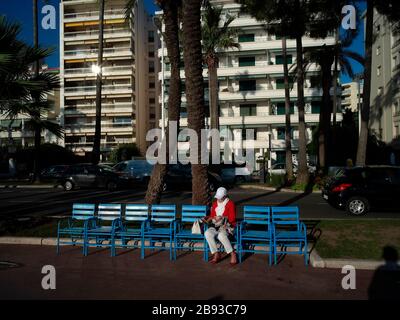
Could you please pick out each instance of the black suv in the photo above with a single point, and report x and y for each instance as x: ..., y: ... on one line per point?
x: 89, y: 176
x: 360, y: 188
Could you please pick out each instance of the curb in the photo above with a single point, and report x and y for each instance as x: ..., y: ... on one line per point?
x: 317, y: 262
x: 28, y: 186
x: 250, y: 186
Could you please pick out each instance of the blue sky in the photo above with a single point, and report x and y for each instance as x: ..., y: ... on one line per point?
x: 21, y: 11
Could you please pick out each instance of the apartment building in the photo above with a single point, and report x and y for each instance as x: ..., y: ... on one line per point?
x: 129, y: 70
x: 351, y: 95
x: 385, y: 80
x: 251, y: 88
x: 20, y: 133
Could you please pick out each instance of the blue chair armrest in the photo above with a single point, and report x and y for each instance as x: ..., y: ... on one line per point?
x: 117, y: 223
x: 91, y: 223
x: 303, y: 228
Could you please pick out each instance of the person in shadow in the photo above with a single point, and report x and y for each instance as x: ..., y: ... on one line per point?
x: 385, y: 284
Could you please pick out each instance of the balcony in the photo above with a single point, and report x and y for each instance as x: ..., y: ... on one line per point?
x: 94, y: 15
x: 94, y: 34
x: 106, y: 108
x: 91, y: 90
x: 105, y: 127
x: 93, y: 53
x: 87, y: 72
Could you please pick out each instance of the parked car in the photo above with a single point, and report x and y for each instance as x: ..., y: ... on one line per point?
x: 53, y: 174
x: 180, y: 177
x: 280, y: 168
x: 359, y: 189
x: 232, y: 173
x: 134, y: 171
x: 89, y: 176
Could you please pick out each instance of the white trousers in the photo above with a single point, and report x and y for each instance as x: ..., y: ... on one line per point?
x: 211, y: 234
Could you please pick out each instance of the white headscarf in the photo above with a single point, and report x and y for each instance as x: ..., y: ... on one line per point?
x: 219, y: 210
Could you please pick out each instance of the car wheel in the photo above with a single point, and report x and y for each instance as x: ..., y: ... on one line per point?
x: 68, y: 185
x: 112, y: 186
x: 357, y: 206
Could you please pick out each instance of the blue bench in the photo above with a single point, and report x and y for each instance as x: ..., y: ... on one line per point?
x: 190, y: 214
x: 76, y: 225
x: 161, y: 227
x: 249, y: 238
x: 289, y: 232
x: 134, y: 213
x: 98, y: 230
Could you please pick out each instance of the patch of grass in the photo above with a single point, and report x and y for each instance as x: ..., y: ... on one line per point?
x: 358, y: 239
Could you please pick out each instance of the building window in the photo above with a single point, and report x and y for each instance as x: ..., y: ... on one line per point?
x: 378, y: 70
x: 279, y: 59
x: 378, y: 50
x: 247, y: 85
x: 380, y: 91
x: 247, y: 61
x: 152, y: 116
x: 280, y: 108
x: 280, y: 83
x: 248, y: 110
x: 151, y: 36
x: 251, y: 137
x: 152, y: 85
x: 315, y: 107
x: 151, y: 54
x: 151, y: 66
x: 152, y: 100
x: 378, y: 28
x: 249, y: 37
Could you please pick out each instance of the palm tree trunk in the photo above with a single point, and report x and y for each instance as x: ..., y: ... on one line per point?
x: 170, y: 14
x: 288, y: 128
x: 325, y: 111
x: 365, y: 110
x: 97, y: 133
x: 302, y: 175
x: 36, y: 163
x: 213, y: 91
x: 192, y: 55
x: 335, y: 78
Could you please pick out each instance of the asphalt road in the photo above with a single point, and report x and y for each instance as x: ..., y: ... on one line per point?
x: 53, y: 202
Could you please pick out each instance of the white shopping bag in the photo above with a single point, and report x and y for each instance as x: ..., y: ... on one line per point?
x: 196, y: 227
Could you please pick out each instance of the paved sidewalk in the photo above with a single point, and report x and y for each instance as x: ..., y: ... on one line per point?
x: 126, y: 276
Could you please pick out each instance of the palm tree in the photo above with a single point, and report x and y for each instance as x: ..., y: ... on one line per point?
x: 18, y: 86
x: 171, y: 12
x: 97, y: 132
x: 192, y: 55
x: 215, y: 39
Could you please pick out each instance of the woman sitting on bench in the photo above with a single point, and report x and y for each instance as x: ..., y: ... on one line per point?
x: 222, y: 222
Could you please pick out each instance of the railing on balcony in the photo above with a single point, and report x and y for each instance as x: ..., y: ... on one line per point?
x: 94, y: 14
x: 104, y: 69
x: 93, y: 88
x: 75, y: 34
x: 103, y: 125
x: 69, y: 53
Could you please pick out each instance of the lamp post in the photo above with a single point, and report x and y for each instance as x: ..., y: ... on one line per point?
x: 162, y: 88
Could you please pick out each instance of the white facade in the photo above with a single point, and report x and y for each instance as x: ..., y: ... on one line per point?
x: 385, y: 80
x: 251, y: 92
x: 129, y: 89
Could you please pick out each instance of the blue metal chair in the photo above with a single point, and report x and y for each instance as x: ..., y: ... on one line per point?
x: 100, y: 229
x: 161, y: 227
x: 184, y: 238
x: 289, y: 232
x: 75, y: 226
x: 255, y: 230
x: 132, y: 226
